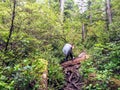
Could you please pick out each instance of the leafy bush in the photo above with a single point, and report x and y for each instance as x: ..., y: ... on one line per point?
x: 25, y: 75
x: 55, y: 74
x: 103, y: 66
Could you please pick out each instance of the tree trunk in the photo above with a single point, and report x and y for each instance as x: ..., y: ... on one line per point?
x: 12, y: 25
x: 62, y: 9
x: 109, y: 11
x: 108, y: 14
x: 83, y: 32
x: 90, y: 13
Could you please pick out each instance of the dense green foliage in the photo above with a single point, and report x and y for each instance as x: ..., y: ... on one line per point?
x: 104, y: 63
x: 39, y: 35
x: 34, y: 37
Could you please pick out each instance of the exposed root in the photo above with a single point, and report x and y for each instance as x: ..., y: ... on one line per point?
x: 74, y: 80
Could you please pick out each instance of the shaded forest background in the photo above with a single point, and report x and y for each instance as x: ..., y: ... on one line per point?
x: 33, y: 32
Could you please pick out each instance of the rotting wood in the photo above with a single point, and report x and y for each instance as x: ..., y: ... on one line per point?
x: 74, y: 80
x: 75, y: 61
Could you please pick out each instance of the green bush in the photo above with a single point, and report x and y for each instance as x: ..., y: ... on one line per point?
x: 55, y: 75
x: 104, y: 64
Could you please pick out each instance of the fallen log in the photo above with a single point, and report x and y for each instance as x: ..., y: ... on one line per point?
x: 75, y: 61
x: 71, y: 69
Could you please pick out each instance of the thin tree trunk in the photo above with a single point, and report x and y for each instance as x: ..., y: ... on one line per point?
x: 83, y: 32
x: 90, y: 18
x: 62, y: 9
x: 90, y: 13
x: 12, y: 25
x: 108, y: 14
x: 107, y: 23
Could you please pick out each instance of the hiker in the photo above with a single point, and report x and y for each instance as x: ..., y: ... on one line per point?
x: 67, y: 50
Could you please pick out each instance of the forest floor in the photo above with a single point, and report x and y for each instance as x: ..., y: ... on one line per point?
x: 74, y: 80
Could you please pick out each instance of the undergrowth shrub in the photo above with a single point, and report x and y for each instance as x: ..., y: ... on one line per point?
x: 99, y: 70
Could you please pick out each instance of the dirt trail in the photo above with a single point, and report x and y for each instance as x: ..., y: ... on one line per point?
x: 73, y: 78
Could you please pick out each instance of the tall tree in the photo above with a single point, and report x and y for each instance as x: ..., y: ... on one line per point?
x: 83, y: 32
x: 12, y: 25
x: 115, y: 26
x: 90, y: 12
x: 62, y: 9
x: 108, y: 14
